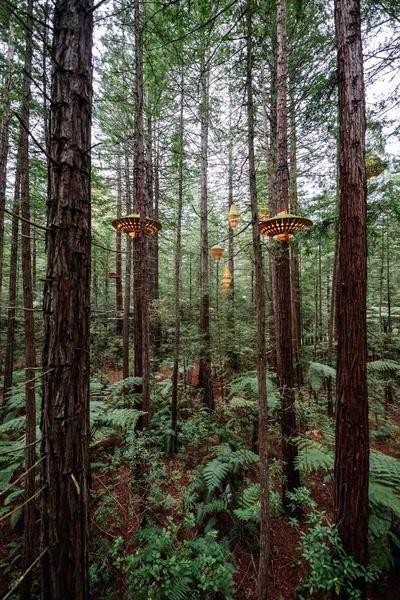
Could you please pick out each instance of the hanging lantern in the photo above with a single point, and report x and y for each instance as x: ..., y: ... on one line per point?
x: 375, y: 166
x: 264, y: 213
x: 283, y: 226
x: 216, y: 252
x: 226, y: 279
x: 112, y: 275
x: 233, y: 217
x: 131, y: 225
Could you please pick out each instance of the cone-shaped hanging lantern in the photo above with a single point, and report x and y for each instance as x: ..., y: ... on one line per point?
x: 283, y: 226
x: 233, y: 217
x: 226, y: 279
x: 131, y: 225
x: 216, y: 252
x: 264, y: 213
x: 375, y: 166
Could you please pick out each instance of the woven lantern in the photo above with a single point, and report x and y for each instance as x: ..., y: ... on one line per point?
x: 375, y: 166
x: 264, y: 213
x: 131, y: 225
x: 283, y: 226
x: 216, y: 252
x: 226, y: 279
x: 233, y: 217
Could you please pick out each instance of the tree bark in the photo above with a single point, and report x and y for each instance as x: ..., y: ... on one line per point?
x: 66, y: 352
x: 12, y: 291
x: 118, y: 246
x: 178, y: 261
x: 282, y: 291
x: 141, y: 253
x: 260, y: 312
x: 352, y: 435
x: 30, y: 350
x: 128, y: 275
x: 205, y: 380
x: 4, y: 144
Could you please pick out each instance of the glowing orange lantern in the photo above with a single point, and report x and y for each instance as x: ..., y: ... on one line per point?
x: 233, y: 217
x: 226, y: 279
x: 283, y: 226
x: 216, y: 252
x: 131, y: 225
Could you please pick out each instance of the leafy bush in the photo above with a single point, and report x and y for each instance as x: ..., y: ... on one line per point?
x: 167, y: 568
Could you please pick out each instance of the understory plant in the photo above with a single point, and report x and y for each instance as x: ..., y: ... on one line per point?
x: 168, y: 566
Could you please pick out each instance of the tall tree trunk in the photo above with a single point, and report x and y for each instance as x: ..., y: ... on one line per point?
x: 141, y: 254
x: 118, y: 248
x: 352, y: 434
x: 205, y: 380
x: 30, y: 350
x: 66, y: 352
x: 4, y: 143
x: 178, y: 260
x: 260, y: 312
x: 128, y: 275
x: 12, y: 291
x: 282, y: 293
x: 294, y: 258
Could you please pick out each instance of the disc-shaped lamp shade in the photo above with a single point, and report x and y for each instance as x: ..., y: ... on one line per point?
x: 375, y: 166
x: 226, y: 279
x: 264, y: 213
x: 283, y: 226
x: 233, y: 217
x: 131, y: 225
x: 216, y: 252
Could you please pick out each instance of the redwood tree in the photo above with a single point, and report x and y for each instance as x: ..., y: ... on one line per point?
x: 352, y: 436
x: 65, y: 408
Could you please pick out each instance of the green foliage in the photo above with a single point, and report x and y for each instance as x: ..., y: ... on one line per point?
x: 168, y: 568
x: 318, y: 373
x: 383, y: 366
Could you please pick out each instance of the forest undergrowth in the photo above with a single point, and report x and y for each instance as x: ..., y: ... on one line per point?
x: 179, y: 526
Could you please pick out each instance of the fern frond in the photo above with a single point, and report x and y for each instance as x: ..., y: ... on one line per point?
x: 381, y: 366
x: 318, y: 372
x: 314, y: 456
x: 385, y: 469
x: 179, y: 589
x: 215, y: 472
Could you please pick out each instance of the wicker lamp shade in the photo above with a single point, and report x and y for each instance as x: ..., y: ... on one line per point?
x: 131, y: 225
x: 375, y: 166
x: 233, y: 217
x: 283, y: 226
x: 226, y: 279
x: 216, y: 252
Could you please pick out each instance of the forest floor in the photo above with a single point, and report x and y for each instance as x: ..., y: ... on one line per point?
x: 123, y: 514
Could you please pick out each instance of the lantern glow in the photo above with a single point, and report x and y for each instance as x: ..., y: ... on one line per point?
x: 283, y: 226
x: 374, y: 166
x: 131, y: 225
x: 233, y: 217
x: 226, y: 279
x: 216, y: 253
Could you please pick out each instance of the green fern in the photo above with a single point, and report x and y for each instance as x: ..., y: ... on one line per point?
x: 179, y: 589
x: 318, y: 373
x: 314, y: 456
x: 383, y: 366
x: 215, y: 472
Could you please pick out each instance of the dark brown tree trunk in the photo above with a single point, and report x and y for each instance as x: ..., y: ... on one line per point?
x: 128, y: 275
x: 30, y: 351
x: 352, y: 435
x: 282, y: 293
x: 66, y: 352
x: 12, y: 291
x: 260, y: 312
x: 118, y: 247
x: 205, y: 380
x: 294, y: 259
x: 141, y: 254
x: 4, y: 143
x: 178, y: 260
